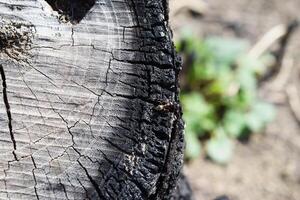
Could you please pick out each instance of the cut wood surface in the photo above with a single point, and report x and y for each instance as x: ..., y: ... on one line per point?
x: 88, y: 100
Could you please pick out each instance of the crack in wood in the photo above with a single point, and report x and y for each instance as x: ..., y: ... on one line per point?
x: 7, y: 107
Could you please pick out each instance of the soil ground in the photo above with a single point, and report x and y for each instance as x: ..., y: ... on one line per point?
x: 268, y: 167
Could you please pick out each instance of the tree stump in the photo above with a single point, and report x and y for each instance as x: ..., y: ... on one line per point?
x: 89, y: 100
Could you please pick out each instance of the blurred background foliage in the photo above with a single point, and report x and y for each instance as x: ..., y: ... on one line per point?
x: 240, y: 96
x: 219, y: 95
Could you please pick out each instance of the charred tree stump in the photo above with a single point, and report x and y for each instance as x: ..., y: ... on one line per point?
x: 89, y: 100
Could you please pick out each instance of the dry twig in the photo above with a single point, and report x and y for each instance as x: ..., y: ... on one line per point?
x: 294, y: 102
x: 196, y: 6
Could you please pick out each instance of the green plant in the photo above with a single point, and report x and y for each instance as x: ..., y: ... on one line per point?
x: 219, y: 96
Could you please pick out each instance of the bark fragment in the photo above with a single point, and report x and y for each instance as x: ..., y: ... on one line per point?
x: 15, y: 39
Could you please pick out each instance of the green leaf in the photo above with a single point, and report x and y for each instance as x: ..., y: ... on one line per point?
x: 257, y: 65
x: 221, y: 83
x: 193, y: 145
x: 195, y: 103
x: 259, y: 116
x: 265, y: 111
x: 223, y: 102
x: 254, y: 124
x: 193, y: 124
x: 226, y: 50
x: 200, y: 72
x: 247, y: 79
x: 234, y: 123
x: 220, y: 148
x: 198, y: 115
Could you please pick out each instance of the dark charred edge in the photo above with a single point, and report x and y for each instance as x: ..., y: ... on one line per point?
x: 7, y: 107
x: 173, y: 161
x: 166, y: 9
x: 167, y: 182
x: 183, y: 190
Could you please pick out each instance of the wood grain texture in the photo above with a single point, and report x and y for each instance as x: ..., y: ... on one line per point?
x: 88, y: 110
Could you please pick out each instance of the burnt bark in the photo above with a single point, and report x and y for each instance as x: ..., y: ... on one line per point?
x: 90, y: 106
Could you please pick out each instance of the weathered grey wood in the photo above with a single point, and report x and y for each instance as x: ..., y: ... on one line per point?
x: 89, y: 106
